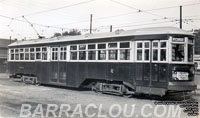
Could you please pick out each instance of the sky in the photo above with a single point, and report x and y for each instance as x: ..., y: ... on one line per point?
x: 50, y: 16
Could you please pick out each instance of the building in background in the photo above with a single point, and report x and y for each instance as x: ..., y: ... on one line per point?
x: 3, y: 55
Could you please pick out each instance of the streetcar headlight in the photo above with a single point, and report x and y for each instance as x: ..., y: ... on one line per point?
x: 174, y: 75
x: 192, y: 70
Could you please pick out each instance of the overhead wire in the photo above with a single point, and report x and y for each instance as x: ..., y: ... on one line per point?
x: 48, y: 26
x: 107, y: 16
x: 37, y: 7
x: 139, y: 10
x: 138, y: 24
x: 67, y: 6
x: 129, y: 13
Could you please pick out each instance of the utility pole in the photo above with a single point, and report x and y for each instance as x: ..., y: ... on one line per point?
x: 90, y: 23
x: 110, y: 28
x: 10, y: 39
x: 180, y: 17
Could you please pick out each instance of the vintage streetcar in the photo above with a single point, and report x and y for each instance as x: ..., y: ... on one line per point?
x: 153, y: 61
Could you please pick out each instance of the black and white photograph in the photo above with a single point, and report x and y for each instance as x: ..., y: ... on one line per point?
x: 99, y: 58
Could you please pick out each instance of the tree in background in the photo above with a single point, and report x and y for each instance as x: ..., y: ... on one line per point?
x: 197, y: 41
x: 56, y: 34
x: 72, y: 32
x: 66, y: 33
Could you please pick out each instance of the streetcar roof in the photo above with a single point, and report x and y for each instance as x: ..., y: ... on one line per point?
x: 119, y: 33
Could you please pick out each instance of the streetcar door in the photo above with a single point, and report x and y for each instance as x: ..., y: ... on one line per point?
x: 54, y: 65
x: 58, y: 65
x: 158, y: 64
x: 147, y: 63
x: 143, y: 64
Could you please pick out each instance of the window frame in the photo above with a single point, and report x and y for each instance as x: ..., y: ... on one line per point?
x: 70, y: 51
x: 187, y: 46
x: 130, y: 51
x: 136, y: 51
x: 57, y: 51
x: 95, y: 50
x: 38, y: 52
x: 113, y: 49
x: 21, y: 53
x: 32, y: 53
x: 63, y: 51
x: 148, y: 48
x: 158, y: 51
x: 143, y: 48
x: 17, y: 53
x: 185, y: 50
x: 82, y: 50
x: 26, y: 53
x: 159, y: 48
x: 11, y: 53
x: 167, y: 50
x: 47, y: 54
x: 105, y: 49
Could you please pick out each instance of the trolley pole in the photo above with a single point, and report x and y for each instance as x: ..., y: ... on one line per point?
x: 180, y: 17
x: 90, y: 23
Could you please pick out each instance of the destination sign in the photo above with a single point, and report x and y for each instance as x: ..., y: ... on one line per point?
x: 178, y: 40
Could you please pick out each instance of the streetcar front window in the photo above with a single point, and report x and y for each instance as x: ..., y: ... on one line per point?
x: 182, y: 49
x: 178, y: 52
x: 190, y: 53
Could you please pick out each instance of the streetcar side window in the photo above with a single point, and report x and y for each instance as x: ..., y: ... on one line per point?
x: 32, y: 53
x: 112, y: 52
x: 27, y: 54
x: 38, y: 53
x: 17, y: 54
x: 139, y: 51
x: 21, y: 51
x: 124, y: 51
x: 82, y: 52
x: 101, y: 51
x: 73, y: 52
x: 12, y: 54
x: 146, y: 51
x: 44, y: 53
x: 163, y: 51
x: 63, y: 53
x: 155, y: 51
x: 91, y: 52
x: 54, y: 53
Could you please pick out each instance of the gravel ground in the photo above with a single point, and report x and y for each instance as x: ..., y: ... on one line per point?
x: 13, y: 94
